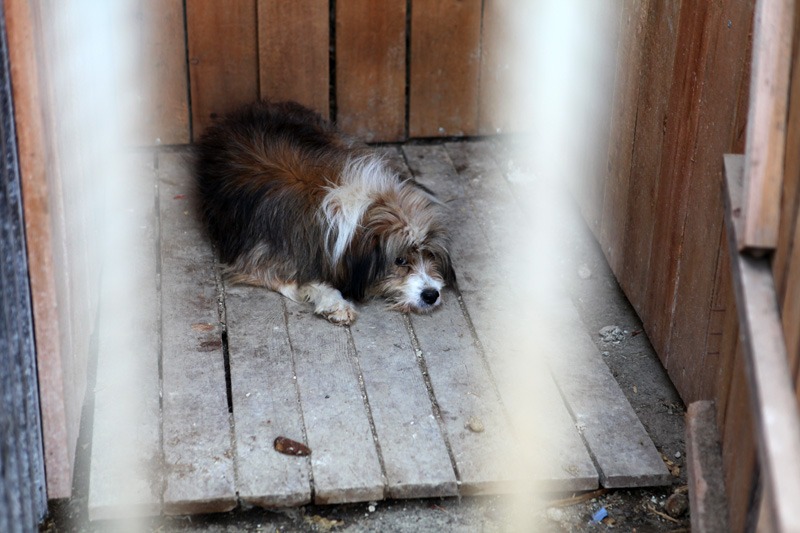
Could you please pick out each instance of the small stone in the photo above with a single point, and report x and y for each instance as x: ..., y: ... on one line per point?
x: 371, y: 508
x: 676, y: 505
x: 475, y: 425
x: 677, y: 455
x: 613, y: 334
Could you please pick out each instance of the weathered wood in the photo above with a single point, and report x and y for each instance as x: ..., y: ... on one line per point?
x: 443, y: 86
x: 29, y: 89
x: 772, y: 396
x: 344, y: 460
x: 704, y: 469
x: 293, y: 68
x: 623, y: 452
x: 223, y: 58
x: 624, y: 117
x: 414, y: 452
x: 695, y: 281
x: 464, y: 390
x: 371, y: 69
x: 265, y: 400
x: 649, y: 137
x: 766, y: 124
x: 23, y: 499
x: 738, y: 448
x: 124, y: 474
x: 197, y: 446
x: 431, y: 165
x: 163, y: 55
x: 788, y: 238
x: 569, y: 467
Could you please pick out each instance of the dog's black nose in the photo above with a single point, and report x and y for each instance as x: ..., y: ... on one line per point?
x: 429, y: 296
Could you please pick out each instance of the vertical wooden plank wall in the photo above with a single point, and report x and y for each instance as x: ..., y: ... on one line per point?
x: 290, y: 68
x: 445, y: 67
x: 661, y: 228
x: 383, y: 71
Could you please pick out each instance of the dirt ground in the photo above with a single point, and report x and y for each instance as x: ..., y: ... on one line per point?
x: 631, y: 359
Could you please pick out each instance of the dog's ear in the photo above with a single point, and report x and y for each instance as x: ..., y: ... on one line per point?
x: 363, y: 267
x: 449, y: 272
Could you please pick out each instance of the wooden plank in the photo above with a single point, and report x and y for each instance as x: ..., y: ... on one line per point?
x: 659, y: 56
x: 621, y: 449
x: 682, y: 122
x: 345, y: 463
x: 28, y: 80
x: 371, y: 69
x: 624, y: 114
x: 706, y: 477
x: 265, y: 400
x: 766, y: 124
x: 495, y: 113
x: 772, y: 396
x: 691, y: 275
x: 464, y: 390
x: 790, y: 199
x: 292, y: 68
x: 567, y: 465
x: 223, y: 62
x: 126, y: 433
x: 443, y: 86
x: 198, y: 451
x: 162, y: 43
x: 401, y: 409
x: 431, y: 165
x: 739, y: 449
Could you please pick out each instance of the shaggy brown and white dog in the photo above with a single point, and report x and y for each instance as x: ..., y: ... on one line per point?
x: 293, y: 205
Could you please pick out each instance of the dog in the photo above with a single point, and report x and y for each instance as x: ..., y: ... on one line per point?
x: 294, y: 205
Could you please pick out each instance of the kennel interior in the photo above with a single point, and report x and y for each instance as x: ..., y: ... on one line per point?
x: 679, y: 97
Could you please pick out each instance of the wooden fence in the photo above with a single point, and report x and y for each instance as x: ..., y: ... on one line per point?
x: 660, y: 221
x: 385, y: 71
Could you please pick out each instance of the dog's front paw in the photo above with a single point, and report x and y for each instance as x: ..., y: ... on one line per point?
x: 342, y: 314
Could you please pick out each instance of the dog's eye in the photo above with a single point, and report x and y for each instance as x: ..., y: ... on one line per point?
x: 400, y: 261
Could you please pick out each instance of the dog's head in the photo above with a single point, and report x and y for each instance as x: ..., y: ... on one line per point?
x: 401, y: 250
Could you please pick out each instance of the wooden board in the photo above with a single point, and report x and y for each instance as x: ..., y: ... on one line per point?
x: 344, y: 460
x: 619, y: 445
x: 771, y: 390
x: 162, y: 47
x: 624, y: 115
x: 479, y: 187
x: 289, y: 67
x: 371, y: 69
x: 265, y: 400
x: 464, y: 390
x: 124, y: 475
x: 198, y: 450
x: 766, y: 124
x: 790, y: 199
x: 415, y: 454
x: 443, y: 85
x: 29, y: 89
x: 657, y: 66
x: 223, y: 58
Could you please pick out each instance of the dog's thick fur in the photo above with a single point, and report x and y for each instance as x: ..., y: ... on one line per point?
x: 293, y: 205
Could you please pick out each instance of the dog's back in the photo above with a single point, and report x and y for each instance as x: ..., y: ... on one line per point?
x: 261, y: 173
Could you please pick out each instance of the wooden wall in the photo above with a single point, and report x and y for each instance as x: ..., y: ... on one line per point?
x: 385, y: 71
x: 660, y: 221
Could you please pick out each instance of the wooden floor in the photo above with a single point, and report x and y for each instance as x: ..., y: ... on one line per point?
x: 395, y: 406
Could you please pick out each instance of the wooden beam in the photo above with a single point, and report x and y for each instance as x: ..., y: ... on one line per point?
x: 772, y: 396
x: 766, y: 124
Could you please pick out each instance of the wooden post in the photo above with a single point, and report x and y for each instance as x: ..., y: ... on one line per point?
x: 772, y: 396
x: 766, y: 125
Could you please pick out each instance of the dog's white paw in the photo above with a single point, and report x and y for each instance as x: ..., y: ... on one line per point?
x: 342, y: 314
